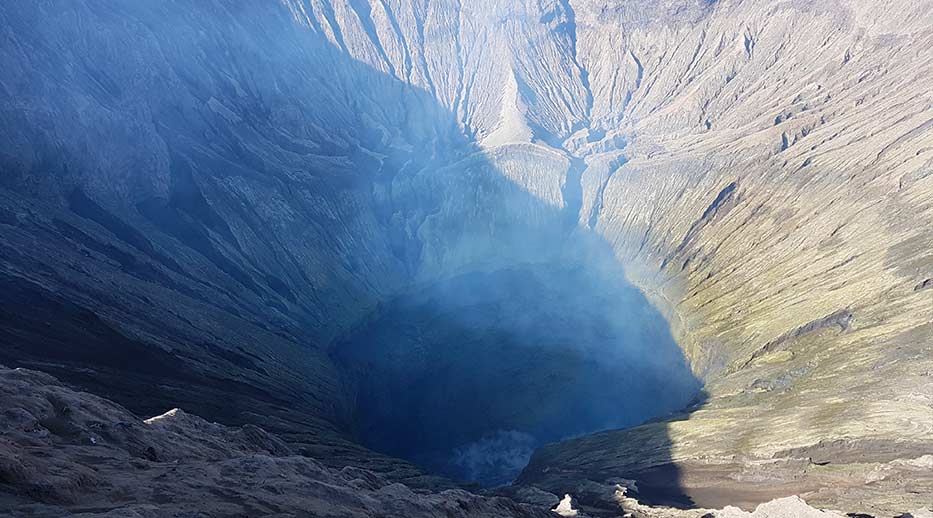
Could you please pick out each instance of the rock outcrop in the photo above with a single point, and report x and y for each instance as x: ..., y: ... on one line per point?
x: 69, y: 453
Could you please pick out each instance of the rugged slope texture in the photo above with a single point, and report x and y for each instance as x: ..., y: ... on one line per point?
x: 789, y: 228
x: 67, y: 453
x: 221, y: 190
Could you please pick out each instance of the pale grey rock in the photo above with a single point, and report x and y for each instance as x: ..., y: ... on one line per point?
x: 790, y: 506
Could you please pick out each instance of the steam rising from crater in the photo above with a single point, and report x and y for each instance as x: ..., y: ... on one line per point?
x: 467, y: 376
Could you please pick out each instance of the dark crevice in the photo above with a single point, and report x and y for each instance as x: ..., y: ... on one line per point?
x: 720, y: 199
x: 722, y: 204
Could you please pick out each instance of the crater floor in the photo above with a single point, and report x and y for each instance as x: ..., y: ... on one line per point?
x: 467, y: 376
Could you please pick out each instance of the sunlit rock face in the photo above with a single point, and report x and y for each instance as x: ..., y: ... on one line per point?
x: 201, y: 202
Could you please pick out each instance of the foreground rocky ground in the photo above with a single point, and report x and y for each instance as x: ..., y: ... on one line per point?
x: 64, y: 452
x: 69, y: 453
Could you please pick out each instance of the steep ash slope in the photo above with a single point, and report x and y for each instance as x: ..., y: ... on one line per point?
x: 222, y: 190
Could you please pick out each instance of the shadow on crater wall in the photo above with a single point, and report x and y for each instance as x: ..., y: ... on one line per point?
x: 303, y: 188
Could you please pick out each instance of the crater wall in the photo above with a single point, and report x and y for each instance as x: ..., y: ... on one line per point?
x: 225, y: 190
